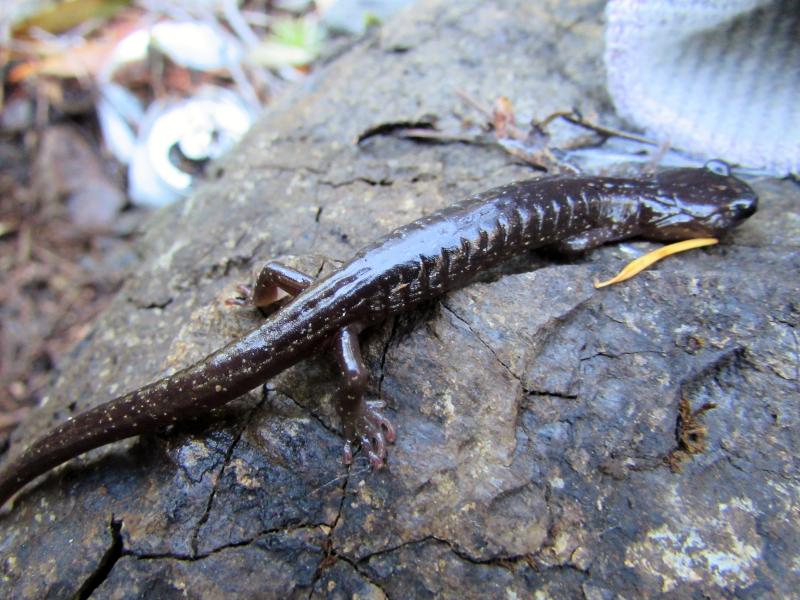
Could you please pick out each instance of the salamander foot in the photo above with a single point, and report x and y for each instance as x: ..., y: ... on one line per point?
x: 243, y: 297
x: 273, y: 283
x: 367, y: 427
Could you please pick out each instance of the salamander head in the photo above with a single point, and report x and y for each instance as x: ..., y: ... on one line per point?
x: 692, y: 203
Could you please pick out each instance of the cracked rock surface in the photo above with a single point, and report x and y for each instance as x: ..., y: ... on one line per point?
x: 639, y: 440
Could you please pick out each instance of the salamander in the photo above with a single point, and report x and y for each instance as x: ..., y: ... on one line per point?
x: 412, y: 264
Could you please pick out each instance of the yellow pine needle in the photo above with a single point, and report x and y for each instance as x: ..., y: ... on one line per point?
x: 640, y: 264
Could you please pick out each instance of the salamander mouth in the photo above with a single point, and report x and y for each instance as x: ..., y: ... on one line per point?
x: 706, y: 221
x: 734, y: 213
x: 727, y: 215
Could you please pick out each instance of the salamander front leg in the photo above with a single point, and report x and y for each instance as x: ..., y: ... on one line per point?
x: 273, y: 283
x: 362, y: 422
x: 583, y: 242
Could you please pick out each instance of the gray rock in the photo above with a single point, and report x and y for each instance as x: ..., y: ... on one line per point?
x: 543, y: 426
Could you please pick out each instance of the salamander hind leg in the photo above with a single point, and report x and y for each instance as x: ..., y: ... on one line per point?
x: 363, y: 424
x: 273, y: 283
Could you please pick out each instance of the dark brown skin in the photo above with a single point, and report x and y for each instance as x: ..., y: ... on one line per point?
x: 410, y: 265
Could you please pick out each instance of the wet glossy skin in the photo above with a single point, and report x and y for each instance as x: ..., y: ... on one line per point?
x: 412, y: 264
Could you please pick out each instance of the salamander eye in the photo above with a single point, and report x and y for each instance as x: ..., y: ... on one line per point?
x: 720, y: 167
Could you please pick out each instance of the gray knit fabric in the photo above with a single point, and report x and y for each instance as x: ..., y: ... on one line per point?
x: 716, y: 78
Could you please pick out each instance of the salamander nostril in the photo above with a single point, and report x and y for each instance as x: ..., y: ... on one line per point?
x: 745, y: 207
